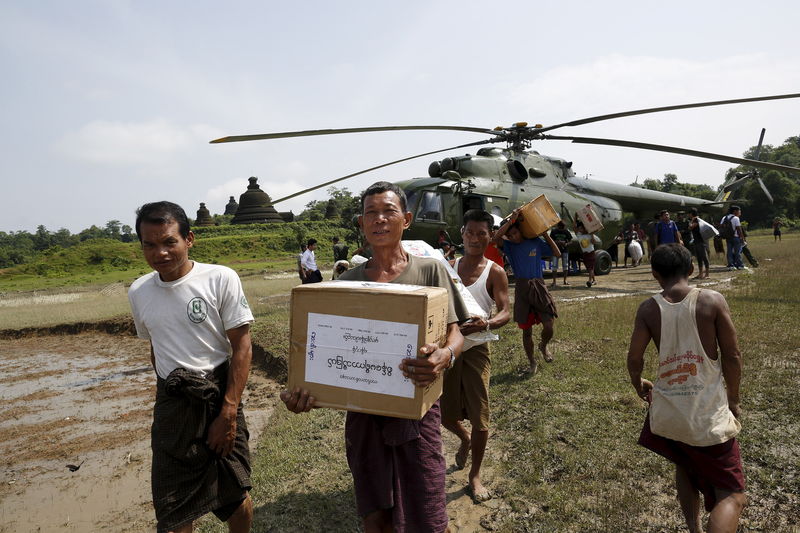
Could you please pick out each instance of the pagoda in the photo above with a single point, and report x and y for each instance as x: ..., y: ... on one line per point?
x: 232, y: 206
x: 255, y: 206
x: 203, y: 216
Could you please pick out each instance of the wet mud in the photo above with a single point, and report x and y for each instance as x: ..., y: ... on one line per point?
x: 84, y: 400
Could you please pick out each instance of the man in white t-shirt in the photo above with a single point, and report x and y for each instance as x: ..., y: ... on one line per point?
x: 197, y: 320
x: 308, y: 262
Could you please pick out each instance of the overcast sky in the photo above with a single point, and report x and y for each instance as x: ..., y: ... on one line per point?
x: 110, y: 104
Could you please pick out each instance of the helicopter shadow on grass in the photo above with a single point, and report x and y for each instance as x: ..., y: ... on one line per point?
x: 332, y: 511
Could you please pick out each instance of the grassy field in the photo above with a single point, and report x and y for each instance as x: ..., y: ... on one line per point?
x: 562, y: 454
x: 562, y: 451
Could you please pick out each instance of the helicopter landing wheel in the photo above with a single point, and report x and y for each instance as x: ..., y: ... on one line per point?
x: 602, y: 262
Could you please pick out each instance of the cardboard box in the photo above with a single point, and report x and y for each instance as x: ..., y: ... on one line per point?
x: 348, y: 338
x: 590, y: 219
x: 538, y: 216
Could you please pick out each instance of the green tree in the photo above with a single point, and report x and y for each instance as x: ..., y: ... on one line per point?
x: 669, y: 183
x: 341, y: 201
x: 113, y: 230
x: 92, y: 232
x: 64, y: 238
x: 127, y: 233
x: 784, y: 187
x: 41, y: 239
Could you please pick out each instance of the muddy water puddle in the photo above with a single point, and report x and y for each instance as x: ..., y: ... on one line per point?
x: 83, y: 400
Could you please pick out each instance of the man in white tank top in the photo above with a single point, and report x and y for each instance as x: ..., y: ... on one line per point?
x: 466, y: 384
x: 694, y: 404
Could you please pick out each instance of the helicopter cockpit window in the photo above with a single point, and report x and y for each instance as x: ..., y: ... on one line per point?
x: 430, y: 206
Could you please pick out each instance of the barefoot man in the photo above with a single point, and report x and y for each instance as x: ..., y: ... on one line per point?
x: 694, y: 404
x: 397, y: 464
x: 532, y: 302
x: 466, y: 385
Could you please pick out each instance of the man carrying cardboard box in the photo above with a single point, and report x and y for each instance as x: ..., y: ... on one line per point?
x: 532, y: 302
x: 466, y: 385
x: 397, y: 464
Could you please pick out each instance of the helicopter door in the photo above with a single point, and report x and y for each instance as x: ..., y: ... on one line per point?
x: 472, y: 202
x: 430, y: 207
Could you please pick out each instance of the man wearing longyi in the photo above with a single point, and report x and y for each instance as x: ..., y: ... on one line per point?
x: 397, y: 464
x: 532, y: 301
x: 197, y: 320
x: 694, y: 410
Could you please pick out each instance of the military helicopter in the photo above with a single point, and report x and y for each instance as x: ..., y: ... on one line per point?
x: 499, y: 179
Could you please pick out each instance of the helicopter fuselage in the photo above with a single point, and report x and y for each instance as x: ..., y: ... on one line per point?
x: 500, y: 180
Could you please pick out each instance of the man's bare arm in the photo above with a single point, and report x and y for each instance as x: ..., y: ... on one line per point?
x: 640, y: 338
x: 424, y: 370
x: 497, y: 237
x: 222, y: 432
x: 499, y: 282
x: 553, y: 245
x: 152, y: 356
x: 731, y: 358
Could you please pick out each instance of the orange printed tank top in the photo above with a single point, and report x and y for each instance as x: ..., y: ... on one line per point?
x: 690, y: 402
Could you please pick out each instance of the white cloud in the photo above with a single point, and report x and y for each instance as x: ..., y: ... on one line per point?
x: 125, y: 143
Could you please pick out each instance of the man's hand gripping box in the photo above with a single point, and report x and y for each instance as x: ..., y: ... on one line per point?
x: 348, y: 338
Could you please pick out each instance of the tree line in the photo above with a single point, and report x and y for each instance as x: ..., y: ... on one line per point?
x: 758, y: 211
x: 21, y: 247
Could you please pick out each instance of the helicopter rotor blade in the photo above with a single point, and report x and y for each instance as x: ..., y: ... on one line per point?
x: 309, y: 133
x: 675, y: 150
x: 330, y: 182
x: 764, y: 188
x: 760, y: 142
x: 610, y: 116
x: 737, y: 183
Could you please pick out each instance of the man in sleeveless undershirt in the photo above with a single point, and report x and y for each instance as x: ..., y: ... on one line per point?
x: 694, y: 411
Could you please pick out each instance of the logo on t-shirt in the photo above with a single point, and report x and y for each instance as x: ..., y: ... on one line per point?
x: 197, y: 309
x: 243, y: 302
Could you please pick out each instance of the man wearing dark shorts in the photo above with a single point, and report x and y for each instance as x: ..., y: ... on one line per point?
x: 532, y: 302
x: 694, y: 410
x: 397, y: 464
x: 197, y: 320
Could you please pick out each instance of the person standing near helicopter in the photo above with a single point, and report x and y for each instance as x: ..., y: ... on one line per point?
x: 533, y: 304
